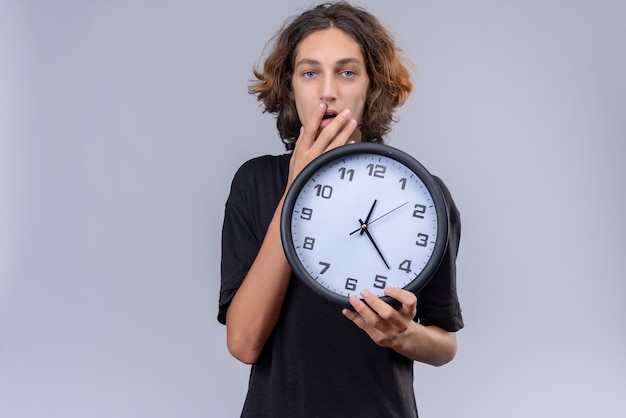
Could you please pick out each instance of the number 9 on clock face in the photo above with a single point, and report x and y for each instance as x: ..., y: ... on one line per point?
x: 364, y: 216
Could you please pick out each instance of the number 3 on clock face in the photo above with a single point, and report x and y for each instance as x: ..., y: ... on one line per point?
x: 364, y: 216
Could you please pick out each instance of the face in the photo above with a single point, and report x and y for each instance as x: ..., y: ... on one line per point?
x: 329, y: 68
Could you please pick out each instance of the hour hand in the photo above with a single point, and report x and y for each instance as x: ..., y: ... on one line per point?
x: 369, y: 215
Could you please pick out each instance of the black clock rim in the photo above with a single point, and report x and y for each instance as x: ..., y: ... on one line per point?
x: 410, y: 162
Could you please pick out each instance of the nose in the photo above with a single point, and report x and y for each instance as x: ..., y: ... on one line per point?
x: 328, y: 89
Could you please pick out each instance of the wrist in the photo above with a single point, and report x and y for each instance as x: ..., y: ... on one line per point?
x: 406, y: 342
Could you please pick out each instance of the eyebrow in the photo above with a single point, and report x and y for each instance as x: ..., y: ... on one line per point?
x: 344, y: 61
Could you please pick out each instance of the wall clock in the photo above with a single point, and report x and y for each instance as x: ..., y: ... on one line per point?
x: 364, y: 215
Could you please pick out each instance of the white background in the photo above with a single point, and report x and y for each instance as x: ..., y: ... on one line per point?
x: 123, y: 121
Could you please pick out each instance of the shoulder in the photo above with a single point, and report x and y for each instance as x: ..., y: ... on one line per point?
x: 263, y: 164
x: 260, y: 182
x: 260, y: 171
x: 264, y: 169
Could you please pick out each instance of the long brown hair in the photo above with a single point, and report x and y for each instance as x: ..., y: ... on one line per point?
x: 390, y: 81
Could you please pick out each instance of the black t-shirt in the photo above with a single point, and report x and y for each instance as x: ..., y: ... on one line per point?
x: 317, y: 363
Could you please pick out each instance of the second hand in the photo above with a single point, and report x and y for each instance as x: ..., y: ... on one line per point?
x: 381, y: 216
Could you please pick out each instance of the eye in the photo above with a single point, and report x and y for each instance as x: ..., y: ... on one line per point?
x: 348, y: 73
x: 308, y: 74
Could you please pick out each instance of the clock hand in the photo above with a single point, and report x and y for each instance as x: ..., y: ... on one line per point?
x: 368, y: 217
x: 381, y: 216
x: 364, y: 229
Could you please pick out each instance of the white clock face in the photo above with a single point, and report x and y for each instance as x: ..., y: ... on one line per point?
x: 363, y: 221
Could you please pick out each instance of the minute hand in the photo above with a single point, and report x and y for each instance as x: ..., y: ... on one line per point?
x: 364, y: 229
x: 381, y: 216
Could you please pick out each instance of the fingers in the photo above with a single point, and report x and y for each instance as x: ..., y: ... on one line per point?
x: 379, y: 320
x: 373, y: 312
x: 374, y: 309
x: 406, y: 298
x: 314, y: 141
x: 310, y: 128
x: 337, y: 132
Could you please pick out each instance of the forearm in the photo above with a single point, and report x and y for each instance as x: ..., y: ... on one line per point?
x: 427, y: 344
x: 256, y: 306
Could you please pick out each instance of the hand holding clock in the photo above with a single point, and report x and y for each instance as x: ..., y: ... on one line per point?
x: 385, y: 325
x: 397, y: 330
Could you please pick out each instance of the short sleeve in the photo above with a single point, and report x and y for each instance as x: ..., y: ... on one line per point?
x: 438, y: 302
x: 239, y: 244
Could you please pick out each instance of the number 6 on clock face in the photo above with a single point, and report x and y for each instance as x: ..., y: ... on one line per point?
x: 364, y: 216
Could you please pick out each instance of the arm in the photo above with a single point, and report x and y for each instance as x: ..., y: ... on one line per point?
x: 396, y: 329
x: 255, y: 308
